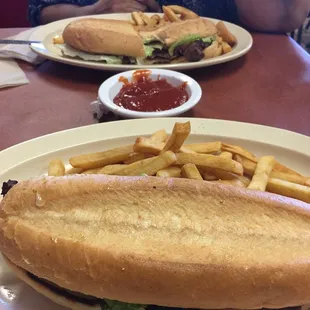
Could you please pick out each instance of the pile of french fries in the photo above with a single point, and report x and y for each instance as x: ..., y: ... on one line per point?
x: 168, y: 156
x: 174, y: 13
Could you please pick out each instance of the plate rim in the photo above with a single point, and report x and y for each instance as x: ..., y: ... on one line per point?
x: 41, y: 50
x: 42, y: 145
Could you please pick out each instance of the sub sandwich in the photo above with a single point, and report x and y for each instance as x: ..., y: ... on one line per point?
x: 119, y: 41
x: 110, y: 242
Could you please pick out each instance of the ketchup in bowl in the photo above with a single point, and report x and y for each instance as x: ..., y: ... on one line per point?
x: 146, y: 95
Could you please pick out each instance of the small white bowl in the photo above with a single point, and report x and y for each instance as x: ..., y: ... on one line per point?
x: 111, y: 87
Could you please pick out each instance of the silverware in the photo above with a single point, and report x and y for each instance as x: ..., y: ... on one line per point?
x: 17, y: 42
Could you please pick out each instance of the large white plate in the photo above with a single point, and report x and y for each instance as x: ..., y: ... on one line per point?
x: 50, y: 51
x: 31, y: 158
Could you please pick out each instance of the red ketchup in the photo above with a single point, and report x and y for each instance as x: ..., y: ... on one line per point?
x: 145, y: 95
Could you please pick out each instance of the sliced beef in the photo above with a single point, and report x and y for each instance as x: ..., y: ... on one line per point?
x: 163, y: 54
x: 6, y: 186
x: 193, y: 51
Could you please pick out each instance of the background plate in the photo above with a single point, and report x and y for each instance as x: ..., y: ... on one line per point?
x: 48, y: 50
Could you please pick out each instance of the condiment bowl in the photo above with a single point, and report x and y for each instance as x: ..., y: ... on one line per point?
x: 112, y: 86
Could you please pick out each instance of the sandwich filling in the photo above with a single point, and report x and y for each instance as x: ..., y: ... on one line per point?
x: 191, y: 47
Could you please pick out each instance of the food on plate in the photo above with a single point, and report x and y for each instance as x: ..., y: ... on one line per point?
x: 145, y: 94
x: 159, y: 221
x: 111, y: 242
x: 179, y: 36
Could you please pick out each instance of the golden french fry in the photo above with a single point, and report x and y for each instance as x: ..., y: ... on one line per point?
x: 158, y: 163
x: 156, y: 19
x: 133, y: 157
x: 249, y: 169
x: 58, y: 39
x: 159, y: 136
x: 98, y: 160
x: 179, y: 134
x: 214, y: 50
x: 91, y: 171
x: 74, y: 171
x: 238, y: 150
x: 171, y: 16
x: 205, y: 148
x: 146, y: 20
x: 184, y: 12
x: 111, y: 169
x: 262, y: 173
x: 170, y: 172
x: 281, y: 168
x: 146, y: 145
x: 235, y: 182
x: 138, y: 165
x: 208, y: 177
x: 137, y: 18
x: 226, y: 47
x: 289, y: 189
x: 56, y: 168
x: 226, y: 155
x: 190, y: 171
x: 210, y: 161
x: 184, y: 149
x: 226, y: 34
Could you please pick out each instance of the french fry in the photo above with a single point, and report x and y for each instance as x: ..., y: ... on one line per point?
x: 137, y: 18
x: 98, y: 160
x: 190, y: 171
x: 146, y: 20
x: 214, y: 50
x: 74, y: 171
x: 235, y: 182
x: 170, y: 172
x: 205, y: 148
x: 238, y: 150
x: 208, y: 176
x: 281, y: 168
x: 289, y: 189
x: 210, y: 161
x: 226, y: 155
x: 91, y: 171
x: 111, y: 169
x: 159, y: 136
x: 158, y: 163
x: 179, y: 134
x: 184, y: 12
x: 156, y: 19
x: 133, y: 157
x: 184, y: 149
x: 128, y: 169
x: 262, y: 173
x: 171, y: 16
x: 56, y: 168
x: 226, y: 47
x: 226, y: 34
x: 249, y: 169
x: 146, y: 145
x: 58, y: 39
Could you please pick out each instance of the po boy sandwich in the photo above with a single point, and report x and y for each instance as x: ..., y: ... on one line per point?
x: 110, y: 242
x: 116, y: 41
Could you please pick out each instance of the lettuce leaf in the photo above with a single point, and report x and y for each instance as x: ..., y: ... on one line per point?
x: 149, y: 48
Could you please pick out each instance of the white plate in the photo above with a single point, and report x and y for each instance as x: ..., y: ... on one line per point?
x: 31, y: 159
x: 50, y: 51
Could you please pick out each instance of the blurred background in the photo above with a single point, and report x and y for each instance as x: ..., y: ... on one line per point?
x: 13, y: 13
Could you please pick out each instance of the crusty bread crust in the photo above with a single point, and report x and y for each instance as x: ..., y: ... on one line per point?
x: 104, y: 36
x: 44, y: 290
x: 172, y: 32
x: 171, y: 242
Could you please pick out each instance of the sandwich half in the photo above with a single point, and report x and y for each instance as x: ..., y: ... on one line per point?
x: 108, y: 242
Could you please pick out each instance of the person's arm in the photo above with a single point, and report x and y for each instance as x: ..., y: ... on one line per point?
x: 273, y: 15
